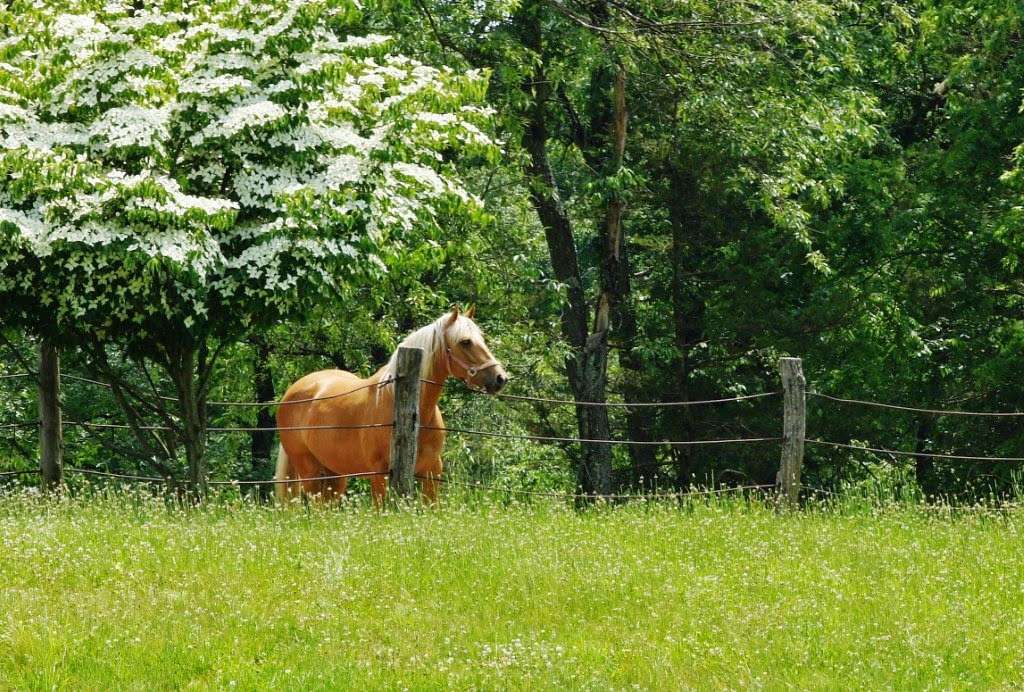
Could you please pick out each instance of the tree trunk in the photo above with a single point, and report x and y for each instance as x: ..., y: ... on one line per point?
x: 687, y: 314
x: 51, y: 439
x: 639, y: 423
x: 615, y: 280
x: 924, y: 467
x: 587, y: 366
x: 594, y: 473
x: 262, y: 441
x: 192, y: 409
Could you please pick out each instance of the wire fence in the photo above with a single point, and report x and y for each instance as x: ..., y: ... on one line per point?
x: 19, y: 472
x: 745, y: 490
x: 234, y: 482
x: 24, y: 424
x: 567, y: 402
x: 693, y: 494
x: 565, y: 495
x: 456, y: 430
x: 515, y: 436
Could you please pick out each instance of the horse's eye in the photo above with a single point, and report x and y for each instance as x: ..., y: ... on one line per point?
x: 466, y: 343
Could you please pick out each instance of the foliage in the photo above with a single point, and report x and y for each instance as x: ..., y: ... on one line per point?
x: 213, y: 164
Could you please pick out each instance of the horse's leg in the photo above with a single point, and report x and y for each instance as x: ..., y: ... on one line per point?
x: 429, y: 473
x: 335, y: 488
x: 378, y: 489
x: 306, y: 466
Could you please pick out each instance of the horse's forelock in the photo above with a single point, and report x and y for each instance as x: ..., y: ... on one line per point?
x: 463, y: 328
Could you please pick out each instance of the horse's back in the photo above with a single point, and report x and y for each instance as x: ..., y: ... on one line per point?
x: 305, y: 396
x: 303, y: 387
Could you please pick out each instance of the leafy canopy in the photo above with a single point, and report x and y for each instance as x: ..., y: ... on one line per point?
x: 158, y: 165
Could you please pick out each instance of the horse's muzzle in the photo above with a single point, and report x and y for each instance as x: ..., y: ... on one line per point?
x: 496, y: 381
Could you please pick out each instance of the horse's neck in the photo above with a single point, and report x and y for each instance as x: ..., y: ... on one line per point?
x: 430, y: 393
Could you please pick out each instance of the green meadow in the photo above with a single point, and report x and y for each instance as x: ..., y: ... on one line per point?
x: 123, y: 591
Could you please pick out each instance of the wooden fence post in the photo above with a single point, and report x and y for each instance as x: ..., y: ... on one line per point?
x: 404, y: 436
x: 794, y: 428
x: 51, y: 437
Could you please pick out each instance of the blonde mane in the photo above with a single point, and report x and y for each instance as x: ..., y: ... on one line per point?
x: 431, y: 339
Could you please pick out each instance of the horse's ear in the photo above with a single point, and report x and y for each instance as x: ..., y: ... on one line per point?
x: 452, y: 316
x: 471, y: 311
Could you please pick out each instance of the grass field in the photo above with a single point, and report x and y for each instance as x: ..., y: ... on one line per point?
x: 123, y: 593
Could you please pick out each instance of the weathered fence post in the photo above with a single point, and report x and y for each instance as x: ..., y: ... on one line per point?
x: 405, y: 434
x: 51, y: 437
x: 794, y: 428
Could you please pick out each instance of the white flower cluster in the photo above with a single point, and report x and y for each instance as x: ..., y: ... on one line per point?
x: 130, y: 126
x: 240, y: 166
x: 253, y: 114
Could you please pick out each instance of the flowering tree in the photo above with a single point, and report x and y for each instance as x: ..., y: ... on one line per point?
x: 174, y: 176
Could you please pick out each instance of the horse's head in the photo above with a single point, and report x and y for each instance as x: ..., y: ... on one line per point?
x: 467, y: 354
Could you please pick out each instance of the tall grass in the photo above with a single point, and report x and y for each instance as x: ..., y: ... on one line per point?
x: 124, y: 590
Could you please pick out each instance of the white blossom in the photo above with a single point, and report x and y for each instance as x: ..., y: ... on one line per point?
x: 30, y: 228
x: 211, y: 84
x: 164, y: 136
x: 248, y: 115
x: 83, y: 29
x: 427, y: 178
x: 130, y: 126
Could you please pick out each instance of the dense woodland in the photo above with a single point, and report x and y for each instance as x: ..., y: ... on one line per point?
x: 671, y: 196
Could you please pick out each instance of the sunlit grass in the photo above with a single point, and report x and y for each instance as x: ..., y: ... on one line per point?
x: 126, y: 592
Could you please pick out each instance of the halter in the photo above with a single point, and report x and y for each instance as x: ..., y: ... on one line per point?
x: 471, y: 370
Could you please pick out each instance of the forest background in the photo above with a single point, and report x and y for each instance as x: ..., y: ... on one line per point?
x: 673, y: 195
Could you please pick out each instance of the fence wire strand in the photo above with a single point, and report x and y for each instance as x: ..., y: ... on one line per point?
x: 220, y: 429
x: 952, y: 509
x: 593, y: 496
x: 25, y: 424
x: 269, y: 481
x: 897, y: 452
x: 426, y: 477
x: 121, y: 476
x: 276, y: 481
x: 19, y: 472
x: 612, y: 404
x: 937, y: 412
x: 551, y: 438
x: 550, y: 400
x: 256, y: 404
x: 634, y: 404
x: 515, y: 397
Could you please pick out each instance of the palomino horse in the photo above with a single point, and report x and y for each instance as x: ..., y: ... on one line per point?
x: 453, y: 346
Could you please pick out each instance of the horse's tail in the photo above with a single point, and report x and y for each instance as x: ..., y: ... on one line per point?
x: 282, y: 490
